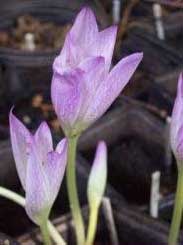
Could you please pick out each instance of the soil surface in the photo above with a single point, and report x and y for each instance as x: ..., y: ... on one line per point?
x: 28, y: 29
x: 131, y: 163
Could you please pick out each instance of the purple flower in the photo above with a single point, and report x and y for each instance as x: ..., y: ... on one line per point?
x: 176, y: 130
x: 40, y: 169
x: 83, y: 86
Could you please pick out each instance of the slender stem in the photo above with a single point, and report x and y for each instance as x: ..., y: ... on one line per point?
x: 55, y: 234
x: 12, y: 196
x: 73, y: 193
x: 177, y: 213
x: 45, y: 233
x: 92, y: 225
x: 21, y: 201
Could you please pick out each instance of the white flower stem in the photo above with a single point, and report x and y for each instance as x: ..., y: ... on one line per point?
x: 21, y: 201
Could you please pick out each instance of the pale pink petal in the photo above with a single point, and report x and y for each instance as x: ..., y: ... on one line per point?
x: 104, y: 45
x: 67, y: 92
x: 112, y: 86
x: 38, y: 192
x: 84, y: 30
x: 73, y: 92
x: 94, y: 73
x: 21, y: 140
x: 177, y: 117
x: 43, y: 141
x: 178, y: 147
x: 55, y: 168
x: 60, y: 148
x: 70, y: 56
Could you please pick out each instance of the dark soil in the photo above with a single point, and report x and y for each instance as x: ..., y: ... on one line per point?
x: 131, y: 163
x: 176, y: 41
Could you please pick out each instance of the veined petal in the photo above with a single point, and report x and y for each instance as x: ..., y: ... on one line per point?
x: 178, y: 151
x: 55, y: 168
x: 67, y: 93
x: 94, y: 74
x: 177, y: 117
x: 38, y: 192
x: 70, y: 56
x: 104, y: 45
x: 21, y: 140
x: 112, y: 86
x: 85, y: 29
x: 60, y: 148
x: 98, y: 176
x: 43, y: 141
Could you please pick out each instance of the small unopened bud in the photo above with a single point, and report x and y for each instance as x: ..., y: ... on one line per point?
x: 98, y: 177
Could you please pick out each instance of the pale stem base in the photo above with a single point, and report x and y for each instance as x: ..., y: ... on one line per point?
x: 92, y: 225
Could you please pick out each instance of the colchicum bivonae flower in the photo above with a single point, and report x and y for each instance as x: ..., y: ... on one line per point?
x: 40, y: 168
x: 83, y: 84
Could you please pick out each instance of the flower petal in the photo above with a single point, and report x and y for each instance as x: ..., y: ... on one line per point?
x: 85, y: 29
x: 60, y: 148
x: 177, y: 117
x: 73, y: 94
x: 178, y: 151
x: 43, y: 141
x: 98, y: 176
x: 55, y: 168
x: 67, y: 97
x: 112, y: 86
x: 94, y: 73
x: 21, y: 140
x: 104, y: 45
x: 38, y: 192
x: 70, y: 56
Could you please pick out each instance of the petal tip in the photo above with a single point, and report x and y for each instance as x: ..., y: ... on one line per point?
x: 102, y: 146
x: 139, y: 55
x: 86, y: 10
x: 62, y: 146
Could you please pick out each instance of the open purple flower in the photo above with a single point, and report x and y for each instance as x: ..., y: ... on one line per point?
x: 40, y: 169
x: 83, y: 87
x: 176, y: 130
